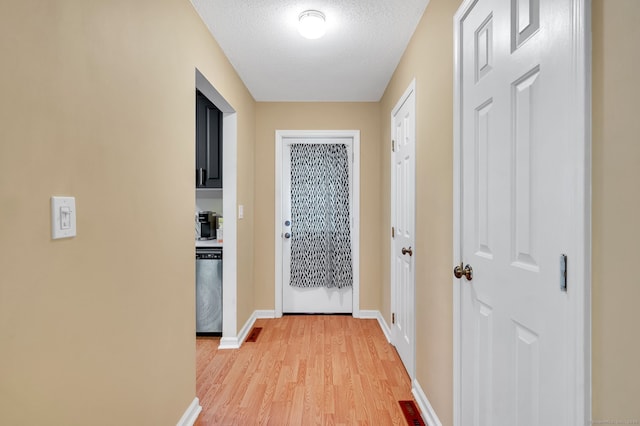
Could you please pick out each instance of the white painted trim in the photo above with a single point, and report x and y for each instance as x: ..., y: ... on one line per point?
x: 229, y: 201
x: 191, y: 413
x: 229, y: 343
x: 392, y: 337
x: 426, y: 409
x: 355, y: 255
x: 377, y: 315
x: 457, y: 181
x: 246, y: 328
x: 580, y: 266
x: 236, y: 342
x: 368, y: 314
x: 265, y: 313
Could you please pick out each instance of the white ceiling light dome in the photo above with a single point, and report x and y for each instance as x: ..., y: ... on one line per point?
x: 312, y: 24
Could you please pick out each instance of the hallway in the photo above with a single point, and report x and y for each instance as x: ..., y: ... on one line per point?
x: 304, y: 369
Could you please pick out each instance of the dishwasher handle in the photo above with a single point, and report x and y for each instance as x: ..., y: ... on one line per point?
x: 209, y: 255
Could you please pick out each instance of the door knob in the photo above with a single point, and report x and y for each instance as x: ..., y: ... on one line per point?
x: 408, y: 251
x: 467, y: 271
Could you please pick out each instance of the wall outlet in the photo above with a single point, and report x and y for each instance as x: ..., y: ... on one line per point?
x: 63, y: 217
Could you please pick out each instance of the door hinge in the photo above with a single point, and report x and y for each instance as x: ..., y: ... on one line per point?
x: 563, y: 272
x: 393, y: 232
x: 393, y: 145
x: 393, y: 318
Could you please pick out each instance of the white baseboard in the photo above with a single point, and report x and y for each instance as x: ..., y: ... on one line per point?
x: 428, y: 413
x: 229, y: 343
x: 191, y: 414
x: 236, y: 342
x: 378, y: 316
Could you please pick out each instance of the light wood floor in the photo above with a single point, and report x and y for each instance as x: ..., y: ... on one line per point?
x: 303, y: 370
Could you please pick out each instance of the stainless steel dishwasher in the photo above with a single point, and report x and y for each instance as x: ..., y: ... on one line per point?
x: 209, y: 291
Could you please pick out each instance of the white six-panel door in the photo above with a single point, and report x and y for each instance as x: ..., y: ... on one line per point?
x: 517, y: 183
x: 403, y: 222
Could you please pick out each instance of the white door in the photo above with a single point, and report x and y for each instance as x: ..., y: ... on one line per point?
x: 312, y: 299
x: 403, y: 231
x: 516, y: 181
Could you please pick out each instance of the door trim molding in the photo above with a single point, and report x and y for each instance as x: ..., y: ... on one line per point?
x: 280, y: 137
x: 411, y: 89
x: 580, y: 267
x: 230, y: 183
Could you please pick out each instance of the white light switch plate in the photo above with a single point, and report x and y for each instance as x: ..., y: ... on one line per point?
x: 240, y: 211
x: 63, y: 217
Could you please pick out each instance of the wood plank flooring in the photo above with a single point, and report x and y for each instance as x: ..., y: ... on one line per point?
x: 303, y: 370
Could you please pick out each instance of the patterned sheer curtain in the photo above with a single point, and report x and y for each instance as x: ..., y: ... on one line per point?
x: 321, y: 235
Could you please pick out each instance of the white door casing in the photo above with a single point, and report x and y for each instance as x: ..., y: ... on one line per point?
x: 403, y: 135
x: 316, y: 300
x: 521, y: 201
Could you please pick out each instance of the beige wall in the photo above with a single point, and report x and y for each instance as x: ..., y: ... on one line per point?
x: 428, y: 59
x: 616, y: 156
x: 318, y: 116
x: 98, y: 103
x: 99, y: 328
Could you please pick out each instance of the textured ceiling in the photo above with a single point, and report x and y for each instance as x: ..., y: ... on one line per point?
x: 352, y: 62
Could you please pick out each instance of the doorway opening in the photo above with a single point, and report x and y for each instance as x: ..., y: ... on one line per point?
x: 229, y: 158
x: 283, y: 139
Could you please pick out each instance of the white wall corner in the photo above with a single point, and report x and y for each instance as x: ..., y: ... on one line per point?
x: 372, y: 314
x: 191, y: 414
x: 428, y: 413
x: 236, y: 342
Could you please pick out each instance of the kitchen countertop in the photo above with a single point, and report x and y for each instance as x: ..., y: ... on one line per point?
x: 208, y: 243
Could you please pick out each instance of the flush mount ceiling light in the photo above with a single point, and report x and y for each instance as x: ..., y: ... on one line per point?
x: 311, y: 24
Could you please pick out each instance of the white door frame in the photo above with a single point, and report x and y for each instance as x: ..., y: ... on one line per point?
x: 411, y: 89
x: 579, y: 269
x: 281, y: 135
x: 229, y: 338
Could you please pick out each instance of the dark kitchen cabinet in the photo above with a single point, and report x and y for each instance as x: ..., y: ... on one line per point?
x: 208, y: 143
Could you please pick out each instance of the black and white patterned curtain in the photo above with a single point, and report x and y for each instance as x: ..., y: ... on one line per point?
x: 321, y: 235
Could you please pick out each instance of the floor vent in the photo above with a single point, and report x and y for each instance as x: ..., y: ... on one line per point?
x: 411, y: 413
x: 253, y: 336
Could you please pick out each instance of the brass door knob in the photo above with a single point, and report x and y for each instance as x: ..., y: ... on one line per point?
x: 466, y: 272
x: 408, y: 251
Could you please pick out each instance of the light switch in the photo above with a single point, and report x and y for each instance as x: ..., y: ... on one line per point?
x: 63, y: 217
x: 240, y: 211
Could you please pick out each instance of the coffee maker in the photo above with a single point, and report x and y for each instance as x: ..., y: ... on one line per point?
x: 206, y: 225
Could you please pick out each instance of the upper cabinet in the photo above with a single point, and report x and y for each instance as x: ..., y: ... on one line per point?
x: 208, y: 143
